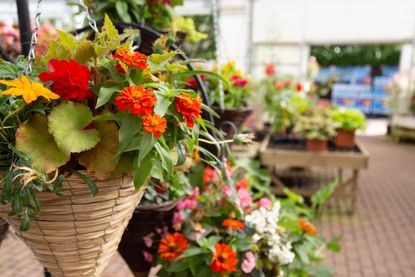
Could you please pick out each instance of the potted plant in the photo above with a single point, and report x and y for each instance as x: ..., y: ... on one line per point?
x: 347, y: 121
x: 284, y: 100
x: 233, y: 105
x: 150, y: 219
x: 317, y: 128
x: 93, y: 119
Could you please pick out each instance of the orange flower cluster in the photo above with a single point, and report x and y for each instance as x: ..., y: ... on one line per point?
x: 154, y: 124
x: 190, y: 108
x: 136, y: 99
x: 224, y: 259
x: 130, y: 59
x: 233, y: 224
x: 307, y: 226
x: 172, y: 246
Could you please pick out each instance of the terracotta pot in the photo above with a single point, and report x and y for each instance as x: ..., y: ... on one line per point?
x: 316, y: 145
x: 344, y: 139
x: 145, y: 220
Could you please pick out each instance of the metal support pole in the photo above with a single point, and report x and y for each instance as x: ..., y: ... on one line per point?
x: 24, y: 25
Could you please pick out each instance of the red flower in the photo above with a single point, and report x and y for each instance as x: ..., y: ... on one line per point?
x: 192, y: 83
x: 136, y: 99
x: 242, y: 184
x: 233, y: 224
x: 69, y: 79
x: 154, y: 124
x: 270, y: 69
x: 299, y: 87
x: 237, y: 81
x: 134, y: 59
x: 224, y: 259
x: 172, y: 246
x: 209, y: 175
x: 189, y: 107
x: 287, y: 83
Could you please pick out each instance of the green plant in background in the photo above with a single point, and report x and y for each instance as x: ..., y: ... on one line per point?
x: 236, y: 95
x: 348, y: 119
x: 315, y: 125
x: 374, y: 55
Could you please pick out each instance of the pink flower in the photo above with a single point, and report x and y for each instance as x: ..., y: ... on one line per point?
x: 245, y: 198
x: 226, y: 191
x: 177, y: 219
x: 264, y: 202
x: 148, y: 257
x: 249, y: 262
x: 195, y: 193
x: 188, y: 203
x: 148, y: 240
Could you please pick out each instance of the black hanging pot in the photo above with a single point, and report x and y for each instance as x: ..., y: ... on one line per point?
x: 4, y: 226
x: 231, y: 119
x: 147, y: 218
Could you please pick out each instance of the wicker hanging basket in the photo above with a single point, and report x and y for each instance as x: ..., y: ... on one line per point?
x: 77, y: 234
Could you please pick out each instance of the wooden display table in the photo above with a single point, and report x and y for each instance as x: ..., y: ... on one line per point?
x: 345, y: 164
x: 403, y: 127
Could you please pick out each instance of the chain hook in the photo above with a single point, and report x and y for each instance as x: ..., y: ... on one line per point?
x: 33, y: 42
x: 92, y: 23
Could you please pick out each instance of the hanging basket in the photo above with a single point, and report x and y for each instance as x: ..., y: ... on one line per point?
x: 146, y: 219
x: 236, y: 116
x: 77, y: 234
x: 4, y: 226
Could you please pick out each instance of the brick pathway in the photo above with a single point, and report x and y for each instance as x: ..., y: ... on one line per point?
x: 379, y: 240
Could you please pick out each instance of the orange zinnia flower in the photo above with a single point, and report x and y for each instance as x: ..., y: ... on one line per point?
x: 307, y: 226
x: 135, y: 59
x: 154, y: 124
x: 224, y: 259
x: 172, y: 246
x: 233, y: 224
x: 136, y: 99
x: 189, y: 107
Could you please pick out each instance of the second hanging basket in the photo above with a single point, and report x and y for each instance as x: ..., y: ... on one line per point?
x: 76, y: 234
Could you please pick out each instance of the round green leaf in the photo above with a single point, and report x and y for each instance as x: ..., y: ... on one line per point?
x: 34, y: 140
x: 68, y: 122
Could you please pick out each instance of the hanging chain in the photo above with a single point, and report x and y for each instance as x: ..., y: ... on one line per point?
x: 216, y: 29
x: 88, y: 17
x: 33, y: 42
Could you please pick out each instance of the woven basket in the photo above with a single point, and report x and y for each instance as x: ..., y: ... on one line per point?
x: 4, y: 226
x: 77, y: 234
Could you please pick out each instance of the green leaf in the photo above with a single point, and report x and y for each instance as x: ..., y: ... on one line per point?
x: 334, y: 244
x: 293, y: 196
x: 193, y: 251
x: 124, y: 164
x: 67, y: 123
x: 7, y: 70
x: 25, y: 225
x: 162, y: 105
x: 67, y: 40
x: 34, y: 140
x: 146, y: 145
x: 323, y: 194
x: 101, y: 158
x: 89, y: 182
x: 129, y: 127
x: 141, y: 172
x: 122, y: 10
x: 105, y: 95
x: 166, y: 160
x: 109, y: 28
x: 84, y: 52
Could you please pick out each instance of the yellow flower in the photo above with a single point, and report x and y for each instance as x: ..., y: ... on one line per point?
x: 30, y: 91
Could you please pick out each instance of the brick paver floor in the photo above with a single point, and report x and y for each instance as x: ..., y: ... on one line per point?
x: 378, y: 240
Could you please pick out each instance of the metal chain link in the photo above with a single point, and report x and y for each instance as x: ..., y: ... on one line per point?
x: 33, y: 42
x: 216, y: 29
x: 88, y: 17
